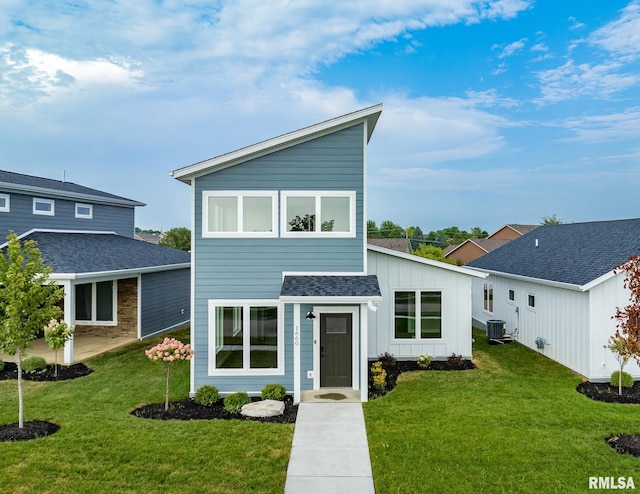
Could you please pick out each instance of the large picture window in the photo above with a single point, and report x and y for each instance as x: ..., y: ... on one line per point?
x: 239, y: 214
x: 96, y: 303
x: 246, y: 338
x: 318, y: 214
x: 417, y: 315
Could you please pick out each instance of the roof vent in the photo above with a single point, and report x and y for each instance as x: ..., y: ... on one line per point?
x: 537, y: 243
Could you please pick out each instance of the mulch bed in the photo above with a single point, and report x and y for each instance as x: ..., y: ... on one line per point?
x: 190, y: 410
x: 622, y: 443
x: 397, y: 367
x: 37, y: 428
x: 65, y: 372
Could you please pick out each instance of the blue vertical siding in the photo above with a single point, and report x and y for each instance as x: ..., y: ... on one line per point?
x: 251, y: 268
x: 21, y: 219
x: 164, y: 300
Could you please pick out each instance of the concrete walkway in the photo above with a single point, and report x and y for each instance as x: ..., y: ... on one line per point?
x: 330, y: 453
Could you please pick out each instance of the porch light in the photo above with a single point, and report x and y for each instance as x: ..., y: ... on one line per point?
x: 310, y: 315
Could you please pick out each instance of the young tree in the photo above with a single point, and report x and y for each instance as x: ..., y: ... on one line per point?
x: 27, y: 301
x: 434, y: 253
x: 56, y: 334
x: 168, y: 353
x: 625, y: 343
x: 178, y: 238
x: 551, y: 220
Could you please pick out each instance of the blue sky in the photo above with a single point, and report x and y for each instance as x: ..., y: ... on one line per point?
x: 495, y: 111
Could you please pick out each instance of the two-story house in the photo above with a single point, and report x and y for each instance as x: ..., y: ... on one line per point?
x: 115, y: 286
x: 284, y: 287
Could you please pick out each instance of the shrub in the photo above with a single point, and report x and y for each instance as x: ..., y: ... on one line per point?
x: 627, y: 380
x: 379, y: 376
x: 34, y: 364
x: 206, y: 395
x: 387, y: 358
x: 234, y: 402
x: 274, y: 392
x: 424, y: 360
x: 455, y: 361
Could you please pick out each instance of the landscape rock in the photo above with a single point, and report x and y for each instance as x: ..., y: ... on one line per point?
x: 264, y: 408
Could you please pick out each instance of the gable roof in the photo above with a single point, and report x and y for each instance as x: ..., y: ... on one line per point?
x: 18, y: 182
x: 424, y: 260
x: 368, y: 115
x: 573, y: 253
x: 72, y: 254
x: 520, y: 229
x: 399, y: 244
x: 485, y: 244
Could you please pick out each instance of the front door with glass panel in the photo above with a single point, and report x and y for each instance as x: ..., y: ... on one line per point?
x: 336, y: 350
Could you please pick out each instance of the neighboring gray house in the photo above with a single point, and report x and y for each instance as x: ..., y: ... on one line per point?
x: 114, y: 285
x: 285, y: 289
x: 556, y: 289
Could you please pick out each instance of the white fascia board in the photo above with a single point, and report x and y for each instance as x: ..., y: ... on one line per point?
x: 188, y: 173
x: 122, y: 273
x: 298, y: 299
x: 428, y: 262
x: 61, y: 194
x: 539, y: 281
x: 321, y: 273
x: 597, y: 281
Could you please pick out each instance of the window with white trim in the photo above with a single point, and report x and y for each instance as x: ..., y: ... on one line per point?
x: 531, y: 301
x: 84, y: 211
x: 45, y: 207
x: 239, y: 214
x: 488, y: 297
x: 318, y: 214
x: 96, y: 303
x: 246, y: 338
x: 417, y: 315
x: 511, y: 296
x: 5, y: 203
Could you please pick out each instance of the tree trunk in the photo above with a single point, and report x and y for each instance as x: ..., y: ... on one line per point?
x: 55, y: 365
x: 166, y: 394
x: 20, y: 397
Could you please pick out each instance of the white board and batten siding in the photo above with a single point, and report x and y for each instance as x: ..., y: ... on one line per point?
x: 397, y: 272
x: 574, y: 324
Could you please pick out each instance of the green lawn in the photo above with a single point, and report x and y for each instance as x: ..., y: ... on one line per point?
x: 102, y: 448
x: 514, y: 424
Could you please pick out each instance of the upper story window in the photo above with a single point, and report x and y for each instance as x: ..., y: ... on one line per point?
x: 239, y: 214
x: 511, y: 296
x: 318, y: 214
x: 4, y: 203
x: 531, y: 301
x: 84, y: 211
x: 45, y: 207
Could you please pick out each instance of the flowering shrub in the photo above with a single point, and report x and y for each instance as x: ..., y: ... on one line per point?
x: 56, y: 334
x: 168, y: 352
x: 424, y: 360
x: 379, y: 376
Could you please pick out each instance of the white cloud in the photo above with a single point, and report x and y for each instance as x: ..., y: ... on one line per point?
x: 622, y: 36
x: 606, y: 128
x: 513, y: 48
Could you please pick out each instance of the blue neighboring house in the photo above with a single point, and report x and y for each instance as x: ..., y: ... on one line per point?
x: 556, y: 289
x: 114, y: 285
x: 285, y: 288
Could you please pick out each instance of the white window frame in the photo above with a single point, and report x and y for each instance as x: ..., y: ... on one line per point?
x: 50, y: 202
x: 418, y: 301
x: 510, y: 301
x: 246, y: 343
x: 240, y: 195
x: 7, y: 203
x: 485, y: 298
x: 94, y: 306
x: 529, y: 306
x: 89, y: 215
x: 318, y: 195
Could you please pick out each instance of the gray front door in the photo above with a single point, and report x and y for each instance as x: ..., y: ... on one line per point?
x: 335, y: 350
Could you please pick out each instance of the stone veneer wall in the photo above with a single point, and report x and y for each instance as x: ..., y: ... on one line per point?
x: 127, y: 314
